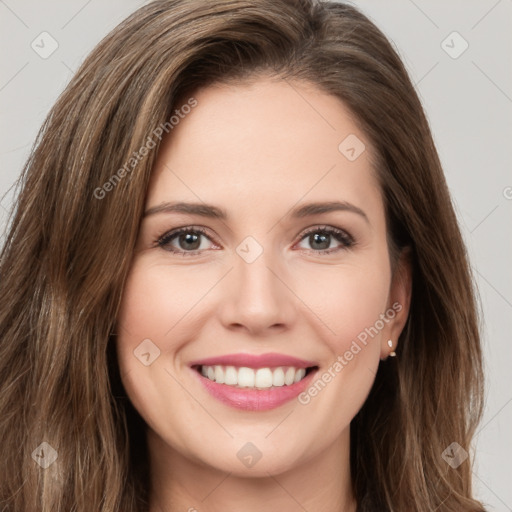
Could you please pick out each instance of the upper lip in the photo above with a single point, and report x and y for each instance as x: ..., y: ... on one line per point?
x: 254, y: 361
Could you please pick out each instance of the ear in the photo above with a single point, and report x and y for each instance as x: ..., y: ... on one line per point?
x: 399, y: 302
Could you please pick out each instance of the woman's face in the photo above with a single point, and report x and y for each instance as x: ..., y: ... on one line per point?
x: 217, y: 327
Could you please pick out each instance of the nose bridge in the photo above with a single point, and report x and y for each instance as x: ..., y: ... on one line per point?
x: 257, y: 298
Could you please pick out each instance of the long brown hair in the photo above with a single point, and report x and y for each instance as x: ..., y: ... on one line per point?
x: 70, y: 241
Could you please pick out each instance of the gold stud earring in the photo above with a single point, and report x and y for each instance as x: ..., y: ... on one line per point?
x: 390, y: 345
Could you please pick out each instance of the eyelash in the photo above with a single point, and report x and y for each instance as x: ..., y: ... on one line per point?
x: 343, y: 237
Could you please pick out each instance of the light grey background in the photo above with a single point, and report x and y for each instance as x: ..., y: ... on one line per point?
x: 468, y: 101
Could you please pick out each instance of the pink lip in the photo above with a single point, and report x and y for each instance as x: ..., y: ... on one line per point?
x: 255, y: 399
x: 269, y: 360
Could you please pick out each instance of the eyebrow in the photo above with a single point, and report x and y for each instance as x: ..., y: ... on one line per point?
x: 214, y: 212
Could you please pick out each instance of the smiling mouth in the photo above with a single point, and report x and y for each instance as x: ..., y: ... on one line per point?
x: 242, y: 377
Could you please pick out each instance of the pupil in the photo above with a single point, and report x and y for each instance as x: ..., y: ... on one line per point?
x: 190, y: 238
x: 323, y: 240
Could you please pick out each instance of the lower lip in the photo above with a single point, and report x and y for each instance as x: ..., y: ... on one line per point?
x: 255, y: 399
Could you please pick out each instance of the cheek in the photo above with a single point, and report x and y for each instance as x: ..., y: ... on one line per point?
x: 158, y: 303
x: 347, y: 301
x: 158, y: 315
x: 150, y: 321
x: 156, y: 318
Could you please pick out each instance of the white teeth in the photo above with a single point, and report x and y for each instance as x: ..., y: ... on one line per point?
x: 246, y: 377
x: 278, y: 377
x: 219, y: 375
x: 289, y: 376
x: 230, y: 376
x: 299, y: 375
x: 262, y: 378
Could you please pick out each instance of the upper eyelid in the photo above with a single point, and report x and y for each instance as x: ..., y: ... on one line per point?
x: 324, y: 227
x: 192, y: 229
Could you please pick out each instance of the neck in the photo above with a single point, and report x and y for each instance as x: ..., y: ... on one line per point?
x: 179, y: 483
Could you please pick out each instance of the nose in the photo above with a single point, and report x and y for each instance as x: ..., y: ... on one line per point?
x: 257, y: 298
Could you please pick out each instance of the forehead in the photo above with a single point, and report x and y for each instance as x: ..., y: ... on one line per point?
x: 265, y: 145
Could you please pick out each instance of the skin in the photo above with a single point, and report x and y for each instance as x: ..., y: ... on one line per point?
x: 258, y: 150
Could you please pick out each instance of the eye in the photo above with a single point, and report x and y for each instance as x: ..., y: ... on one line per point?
x: 321, y: 239
x: 185, y: 241
x: 189, y: 241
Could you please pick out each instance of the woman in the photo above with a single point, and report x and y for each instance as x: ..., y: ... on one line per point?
x: 172, y: 335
